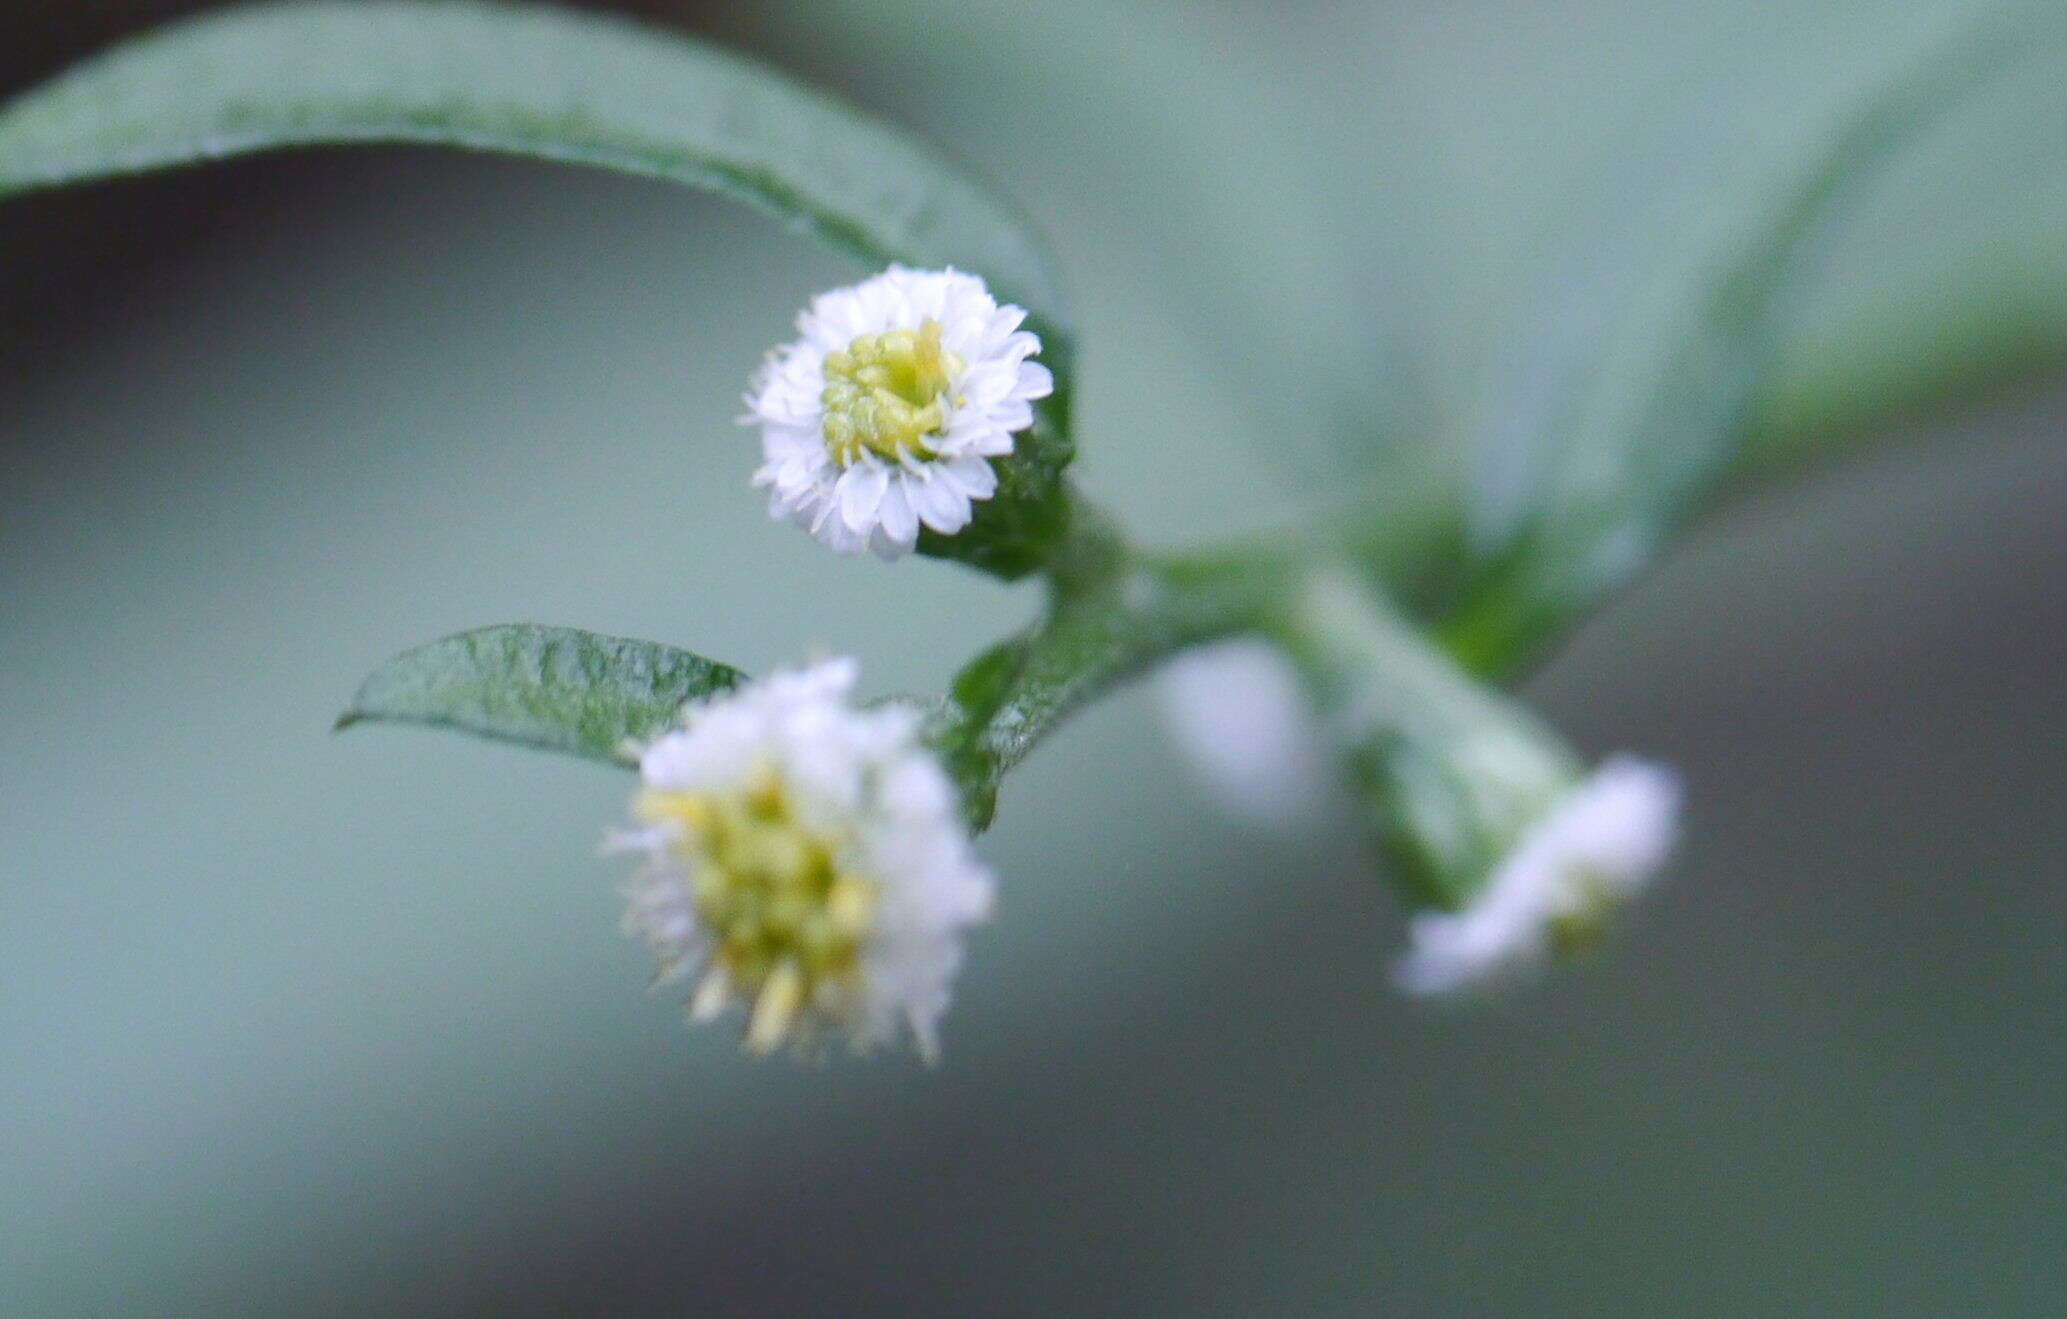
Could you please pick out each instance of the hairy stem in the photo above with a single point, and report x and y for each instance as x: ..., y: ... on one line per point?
x: 1111, y: 613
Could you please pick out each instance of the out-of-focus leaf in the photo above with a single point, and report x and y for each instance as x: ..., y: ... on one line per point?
x: 555, y: 688
x: 1627, y: 393
x: 526, y: 81
x: 1949, y: 275
x: 1479, y: 150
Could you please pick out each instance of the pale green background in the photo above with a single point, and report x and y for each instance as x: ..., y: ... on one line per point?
x: 295, y: 1024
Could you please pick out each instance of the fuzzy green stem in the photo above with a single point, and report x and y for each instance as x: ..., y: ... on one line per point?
x: 1450, y: 771
x: 1111, y: 613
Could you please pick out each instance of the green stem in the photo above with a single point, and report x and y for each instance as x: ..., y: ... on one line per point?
x: 1450, y: 771
x: 1111, y: 613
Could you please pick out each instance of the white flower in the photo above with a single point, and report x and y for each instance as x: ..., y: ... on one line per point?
x: 1238, y: 712
x: 885, y: 414
x: 804, y: 855
x: 1596, y: 846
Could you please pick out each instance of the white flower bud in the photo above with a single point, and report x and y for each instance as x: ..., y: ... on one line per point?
x: 885, y: 414
x: 1594, y: 848
x: 1236, y: 710
x: 1489, y: 822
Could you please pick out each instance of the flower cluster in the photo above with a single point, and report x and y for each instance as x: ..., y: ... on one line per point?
x: 886, y: 412
x: 803, y: 855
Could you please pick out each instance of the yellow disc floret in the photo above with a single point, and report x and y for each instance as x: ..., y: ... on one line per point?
x: 1583, y: 926
x: 785, y: 920
x: 888, y: 393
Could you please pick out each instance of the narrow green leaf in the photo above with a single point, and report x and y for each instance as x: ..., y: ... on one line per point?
x: 556, y: 688
x: 1627, y: 397
x: 525, y: 81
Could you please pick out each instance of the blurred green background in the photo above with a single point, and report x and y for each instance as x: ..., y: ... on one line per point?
x: 295, y: 1024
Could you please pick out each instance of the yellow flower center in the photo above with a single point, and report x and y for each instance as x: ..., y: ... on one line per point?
x: 887, y: 394
x: 786, y: 922
x: 1583, y: 927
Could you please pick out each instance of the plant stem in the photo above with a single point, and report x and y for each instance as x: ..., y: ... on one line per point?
x: 1111, y: 613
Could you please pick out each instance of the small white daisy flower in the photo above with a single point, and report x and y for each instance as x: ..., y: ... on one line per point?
x: 886, y: 412
x: 1595, y: 847
x: 804, y: 855
x: 1237, y: 711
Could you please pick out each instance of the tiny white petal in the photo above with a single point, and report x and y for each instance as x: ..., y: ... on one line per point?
x: 793, y: 445
x: 974, y: 476
x: 1012, y: 415
x: 939, y: 503
x: 861, y: 490
x: 1035, y: 380
x: 899, y: 523
x: 985, y: 384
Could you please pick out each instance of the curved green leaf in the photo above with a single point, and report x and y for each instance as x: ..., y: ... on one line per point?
x: 555, y: 688
x: 524, y: 81
x: 1627, y: 397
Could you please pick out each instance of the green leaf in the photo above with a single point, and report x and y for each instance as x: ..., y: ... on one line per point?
x: 524, y: 81
x: 555, y: 688
x: 1492, y: 158
x: 1627, y: 394
x: 1950, y: 279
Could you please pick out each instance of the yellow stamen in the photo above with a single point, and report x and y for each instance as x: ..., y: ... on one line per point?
x: 775, y: 1010
x: 713, y: 992
x: 686, y: 809
x: 888, y: 393
x: 785, y: 919
x: 1584, y: 927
